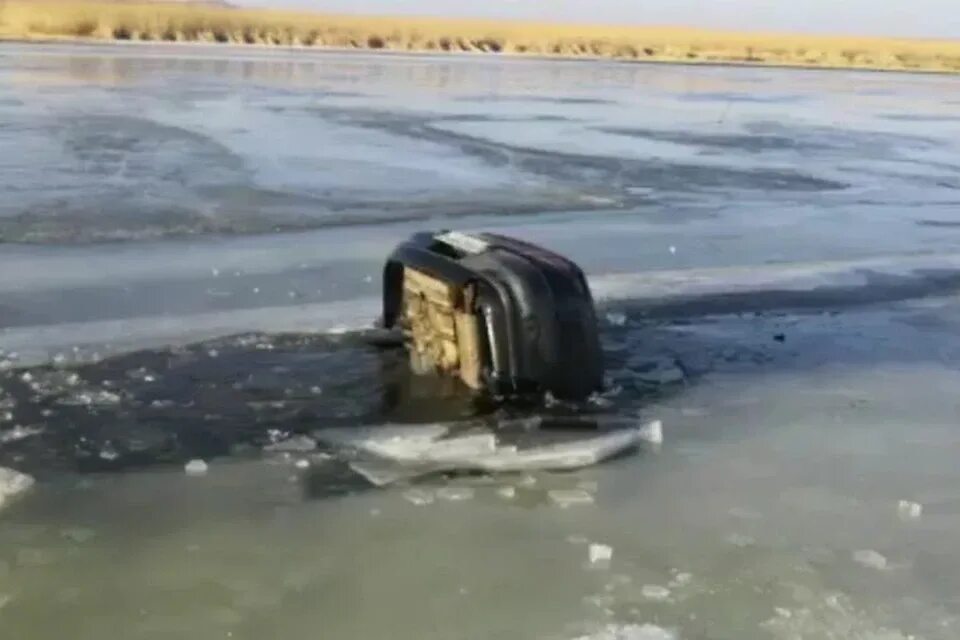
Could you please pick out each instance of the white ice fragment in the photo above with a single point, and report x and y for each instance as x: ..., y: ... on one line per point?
x: 783, y: 613
x: 630, y: 632
x: 302, y: 463
x: 368, y: 278
x: 315, y: 390
x: 655, y: 592
x: 599, y: 554
x: 27, y: 377
x: 652, y: 432
x: 213, y: 353
x: 673, y: 250
x: 577, y: 539
x: 418, y: 497
x: 215, y: 272
x: 108, y: 453
x: 681, y: 580
x: 507, y: 493
x: 569, y: 497
x: 196, y: 467
x: 909, y: 510
x: 617, y: 318
x: 299, y: 443
x: 18, y: 433
x: 455, y: 494
x: 870, y: 559
x: 12, y: 484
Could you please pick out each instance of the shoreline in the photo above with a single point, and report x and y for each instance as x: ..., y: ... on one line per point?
x: 96, y: 21
x: 321, y: 50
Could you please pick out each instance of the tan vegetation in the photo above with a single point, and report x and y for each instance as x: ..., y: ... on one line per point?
x: 174, y: 22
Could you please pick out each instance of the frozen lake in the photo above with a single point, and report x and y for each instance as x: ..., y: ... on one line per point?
x: 181, y: 228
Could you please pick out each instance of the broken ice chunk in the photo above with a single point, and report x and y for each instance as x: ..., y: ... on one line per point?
x: 196, y: 467
x: 295, y: 444
x: 909, y: 510
x: 302, y: 463
x: 569, y: 497
x: 18, y: 433
x: 617, y: 318
x: 681, y: 579
x: 455, y: 494
x: 870, y: 559
x: 652, y: 432
x: 12, y: 483
x: 418, y: 497
x: 599, y: 554
x: 630, y: 632
x: 507, y: 493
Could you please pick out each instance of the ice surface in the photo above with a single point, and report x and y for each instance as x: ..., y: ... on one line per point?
x: 705, y: 159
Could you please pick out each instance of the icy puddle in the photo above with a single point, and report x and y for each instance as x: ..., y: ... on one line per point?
x: 803, y: 490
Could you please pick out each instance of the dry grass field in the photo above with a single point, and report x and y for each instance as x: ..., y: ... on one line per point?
x: 179, y: 22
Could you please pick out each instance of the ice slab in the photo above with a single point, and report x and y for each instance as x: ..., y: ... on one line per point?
x: 390, y: 453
